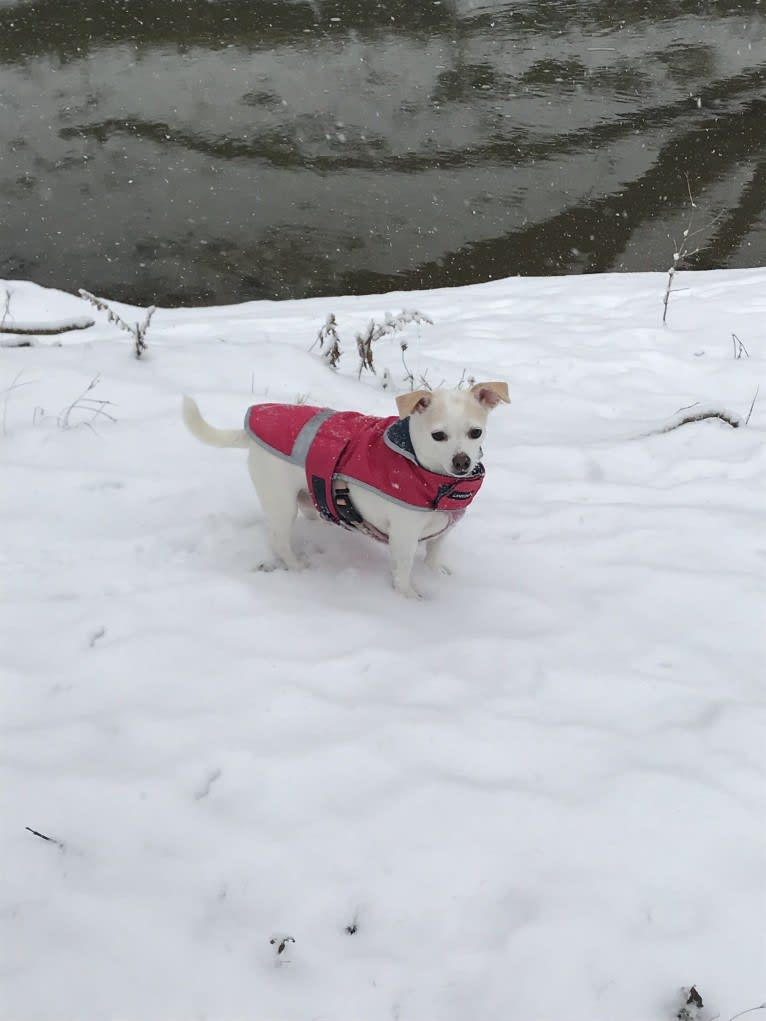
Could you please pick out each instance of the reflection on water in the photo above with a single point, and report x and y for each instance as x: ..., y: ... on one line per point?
x: 219, y: 151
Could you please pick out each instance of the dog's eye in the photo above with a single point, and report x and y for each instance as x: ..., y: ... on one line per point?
x: 474, y: 434
x: 439, y: 436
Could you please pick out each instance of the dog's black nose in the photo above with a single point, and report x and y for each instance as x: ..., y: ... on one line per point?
x: 461, y: 463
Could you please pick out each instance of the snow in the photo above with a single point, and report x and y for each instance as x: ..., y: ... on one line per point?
x: 538, y: 794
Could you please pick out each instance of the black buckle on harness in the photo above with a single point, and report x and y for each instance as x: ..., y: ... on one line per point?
x: 344, y: 505
x: 319, y: 493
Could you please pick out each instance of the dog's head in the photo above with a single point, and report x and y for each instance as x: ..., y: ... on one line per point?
x: 447, y: 427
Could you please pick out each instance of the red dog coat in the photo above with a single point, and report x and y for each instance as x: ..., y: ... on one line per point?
x: 346, y: 446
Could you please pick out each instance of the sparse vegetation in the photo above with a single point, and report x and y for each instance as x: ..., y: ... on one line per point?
x: 682, y: 252
x: 329, y: 342
x: 729, y: 417
x: 692, y: 1007
x: 739, y: 347
x: 136, y: 330
x: 280, y: 943
x: 329, y: 334
x: 85, y: 406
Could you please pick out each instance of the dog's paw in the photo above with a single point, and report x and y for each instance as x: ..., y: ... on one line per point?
x: 407, y: 591
x: 438, y: 568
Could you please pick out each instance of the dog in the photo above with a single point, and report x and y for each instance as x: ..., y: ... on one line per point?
x: 403, y: 480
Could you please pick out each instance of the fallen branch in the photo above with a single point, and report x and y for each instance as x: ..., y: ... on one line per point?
x: 46, y: 330
x: 725, y: 416
x: 34, y: 329
x: 729, y: 417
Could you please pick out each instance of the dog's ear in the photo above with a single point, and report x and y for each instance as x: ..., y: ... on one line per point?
x: 490, y: 394
x: 408, y: 404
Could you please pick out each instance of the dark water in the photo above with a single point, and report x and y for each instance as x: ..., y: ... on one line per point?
x: 203, y: 152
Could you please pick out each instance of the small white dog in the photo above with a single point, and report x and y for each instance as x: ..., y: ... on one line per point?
x: 402, y: 480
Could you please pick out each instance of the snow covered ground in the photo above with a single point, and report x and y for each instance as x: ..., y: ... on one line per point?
x: 537, y: 795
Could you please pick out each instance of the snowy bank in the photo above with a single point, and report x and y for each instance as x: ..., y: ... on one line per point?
x: 537, y: 795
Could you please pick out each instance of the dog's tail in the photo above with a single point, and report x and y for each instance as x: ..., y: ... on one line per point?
x: 205, y: 433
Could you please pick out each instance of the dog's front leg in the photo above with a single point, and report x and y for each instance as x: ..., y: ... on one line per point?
x: 433, y: 558
x: 402, y: 545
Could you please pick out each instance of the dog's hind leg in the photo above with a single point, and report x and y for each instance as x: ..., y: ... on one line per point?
x: 277, y: 484
x: 306, y: 506
x: 281, y: 518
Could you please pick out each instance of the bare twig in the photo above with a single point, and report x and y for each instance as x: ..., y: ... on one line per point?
x: 137, y: 330
x: 681, y: 252
x: 750, y: 1010
x: 689, y: 189
x: 42, y: 836
x: 752, y: 405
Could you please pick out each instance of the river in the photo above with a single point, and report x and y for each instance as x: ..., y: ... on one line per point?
x: 226, y: 150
